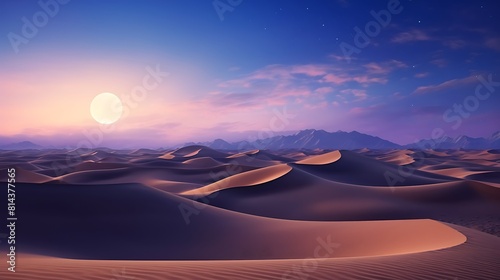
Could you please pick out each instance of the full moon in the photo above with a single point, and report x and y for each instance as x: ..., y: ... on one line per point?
x: 106, y: 108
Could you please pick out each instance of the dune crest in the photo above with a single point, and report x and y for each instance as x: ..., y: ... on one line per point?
x: 244, y: 179
x: 327, y: 158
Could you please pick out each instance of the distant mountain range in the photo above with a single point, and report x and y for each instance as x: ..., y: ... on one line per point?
x: 24, y: 145
x: 460, y: 142
x: 320, y: 139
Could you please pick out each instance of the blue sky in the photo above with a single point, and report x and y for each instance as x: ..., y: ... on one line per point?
x: 231, y: 70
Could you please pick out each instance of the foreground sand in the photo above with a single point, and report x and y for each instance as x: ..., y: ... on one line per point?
x: 196, y: 213
x: 475, y: 259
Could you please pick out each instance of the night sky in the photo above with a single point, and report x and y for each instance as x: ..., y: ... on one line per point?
x: 236, y: 67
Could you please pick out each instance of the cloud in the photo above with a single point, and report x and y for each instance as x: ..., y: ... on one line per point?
x: 336, y: 79
x: 422, y: 75
x: 411, y: 36
x: 305, y: 85
x: 445, y: 85
x: 493, y: 43
x: 451, y: 42
x: 359, y: 94
x: 342, y: 57
x: 323, y: 90
x: 364, y: 80
x: 277, y: 72
x: 239, y: 100
x: 365, y: 110
x: 310, y: 70
x: 320, y: 105
x: 384, y: 67
x: 454, y: 44
x: 440, y: 62
x: 427, y: 110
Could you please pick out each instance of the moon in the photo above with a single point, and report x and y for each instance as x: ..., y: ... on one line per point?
x: 106, y: 108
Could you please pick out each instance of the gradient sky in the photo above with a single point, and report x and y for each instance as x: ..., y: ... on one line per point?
x: 229, y: 75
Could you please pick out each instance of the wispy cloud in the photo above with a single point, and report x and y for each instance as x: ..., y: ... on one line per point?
x: 341, y: 57
x: 493, y: 43
x: 384, y: 67
x: 445, y: 85
x: 440, y: 62
x: 298, y: 84
x: 359, y: 94
x: 422, y: 75
x: 415, y: 35
x: 363, y: 80
x: 411, y: 36
x: 323, y: 90
x: 454, y: 44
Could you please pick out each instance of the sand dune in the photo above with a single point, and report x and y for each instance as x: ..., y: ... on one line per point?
x: 199, y: 151
x: 321, y: 159
x: 25, y: 176
x: 493, y: 177
x: 284, y: 239
x: 353, y: 168
x: 205, y: 214
x: 245, y: 179
x: 475, y: 259
x: 245, y: 160
x: 399, y: 157
x: 314, y: 198
x: 203, y: 162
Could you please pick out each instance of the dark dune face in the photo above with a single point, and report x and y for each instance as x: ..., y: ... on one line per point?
x: 196, y: 203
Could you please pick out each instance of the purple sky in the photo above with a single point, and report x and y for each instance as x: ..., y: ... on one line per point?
x: 254, y: 70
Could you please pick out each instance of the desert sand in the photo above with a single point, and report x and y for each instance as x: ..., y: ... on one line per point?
x: 197, y: 213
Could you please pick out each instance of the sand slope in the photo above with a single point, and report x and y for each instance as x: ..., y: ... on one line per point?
x: 147, y: 229
x: 475, y: 259
x: 205, y: 214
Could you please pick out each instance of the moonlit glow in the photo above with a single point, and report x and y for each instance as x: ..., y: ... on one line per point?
x: 106, y: 108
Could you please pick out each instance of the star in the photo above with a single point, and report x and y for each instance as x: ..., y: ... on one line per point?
x: 323, y: 25
x: 419, y: 21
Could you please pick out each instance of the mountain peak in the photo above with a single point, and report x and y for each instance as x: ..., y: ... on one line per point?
x: 23, y: 145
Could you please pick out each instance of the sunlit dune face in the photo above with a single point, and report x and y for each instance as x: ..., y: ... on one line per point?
x: 106, y: 108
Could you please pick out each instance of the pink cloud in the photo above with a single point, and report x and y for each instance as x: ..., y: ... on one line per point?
x: 384, y: 67
x: 320, y: 105
x: 422, y: 75
x: 359, y: 94
x: 324, y: 90
x: 363, y: 79
x: 335, y: 79
x: 310, y: 70
x: 445, y: 85
x: 341, y: 58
